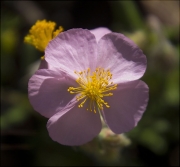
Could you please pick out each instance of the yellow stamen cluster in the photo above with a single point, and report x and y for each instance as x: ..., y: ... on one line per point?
x: 41, y: 33
x: 93, y: 88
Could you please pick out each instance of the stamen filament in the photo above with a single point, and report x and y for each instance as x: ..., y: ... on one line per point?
x: 93, y: 86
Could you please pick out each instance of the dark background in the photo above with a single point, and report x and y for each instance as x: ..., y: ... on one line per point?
x: 152, y: 25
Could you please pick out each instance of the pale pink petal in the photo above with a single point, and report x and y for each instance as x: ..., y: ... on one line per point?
x: 43, y: 64
x: 100, y: 32
x: 48, y: 91
x: 127, y: 106
x: 122, y: 56
x: 74, y: 126
x: 71, y: 50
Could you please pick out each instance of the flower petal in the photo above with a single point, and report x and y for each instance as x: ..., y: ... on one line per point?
x: 74, y: 126
x: 43, y: 64
x: 127, y: 106
x: 75, y: 49
x: 124, y: 59
x: 48, y: 91
x: 100, y: 32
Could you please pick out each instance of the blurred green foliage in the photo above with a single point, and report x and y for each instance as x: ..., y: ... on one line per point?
x: 155, y: 141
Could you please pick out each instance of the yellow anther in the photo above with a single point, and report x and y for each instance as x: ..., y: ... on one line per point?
x: 93, y: 86
x: 41, y: 33
x: 42, y: 57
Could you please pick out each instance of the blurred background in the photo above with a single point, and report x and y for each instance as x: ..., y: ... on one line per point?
x: 152, y: 25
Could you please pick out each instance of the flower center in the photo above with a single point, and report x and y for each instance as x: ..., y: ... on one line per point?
x: 93, y: 88
x: 41, y: 33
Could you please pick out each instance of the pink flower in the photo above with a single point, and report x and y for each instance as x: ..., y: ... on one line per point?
x: 98, y: 32
x: 89, y: 76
